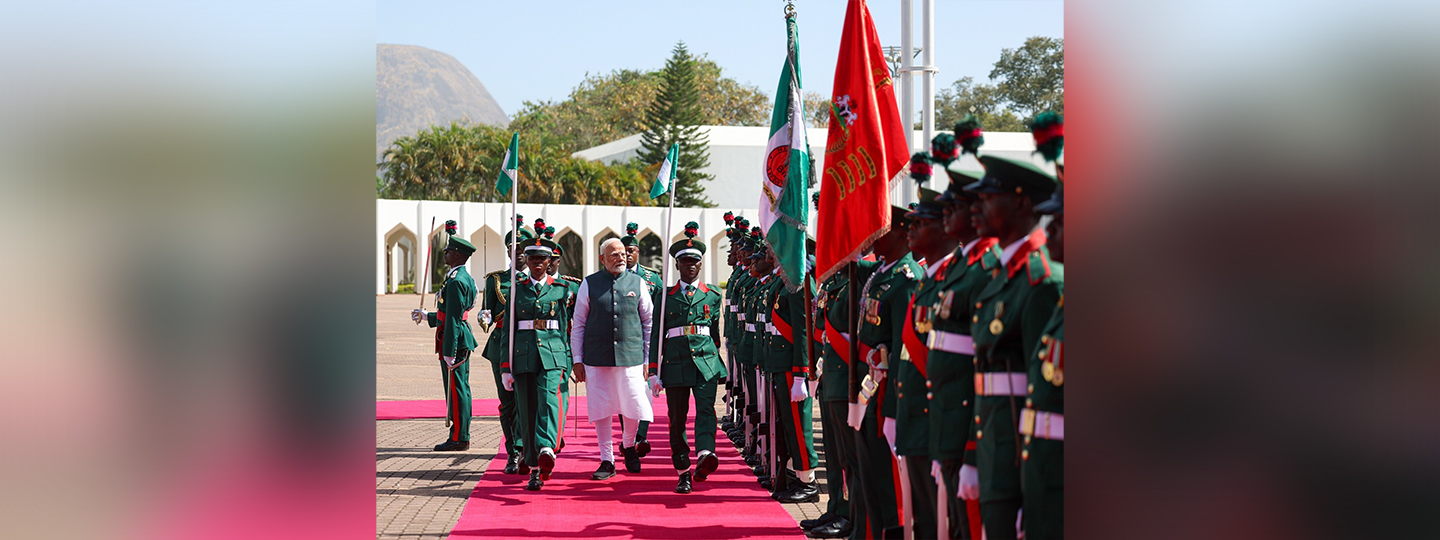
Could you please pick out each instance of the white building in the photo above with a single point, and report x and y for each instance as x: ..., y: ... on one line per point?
x: 402, y: 227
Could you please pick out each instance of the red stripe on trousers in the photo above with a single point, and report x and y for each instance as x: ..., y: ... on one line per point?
x: 455, y: 406
x: 803, y: 456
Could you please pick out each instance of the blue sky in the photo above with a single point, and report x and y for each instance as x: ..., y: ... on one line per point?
x: 532, y: 51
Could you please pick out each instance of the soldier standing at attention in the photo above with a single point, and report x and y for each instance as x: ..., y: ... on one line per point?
x: 455, y: 340
x: 757, y: 313
x: 1042, y: 422
x: 690, y: 337
x: 737, y: 289
x: 883, y: 300
x: 784, y: 357
x: 492, y: 319
x: 1012, y: 312
x: 539, y: 356
x: 654, y: 286
x: 951, y: 365
x: 926, y: 237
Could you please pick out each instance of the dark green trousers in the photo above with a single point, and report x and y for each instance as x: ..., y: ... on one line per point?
x: 922, y: 495
x: 959, y: 517
x: 998, y: 518
x: 839, y: 444
x: 796, y: 428
x: 538, y: 397
x: 1042, y: 486
x: 677, y: 402
x: 507, y: 413
x: 876, y: 479
x: 457, y: 385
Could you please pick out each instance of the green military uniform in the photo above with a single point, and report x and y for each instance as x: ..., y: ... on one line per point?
x: 832, y: 314
x: 541, y: 352
x: 884, y: 299
x: 1042, y: 422
x: 753, y: 289
x: 454, y: 339
x: 690, y: 337
x: 1012, y: 312
x: 785, y: 357
x: 497, y: 289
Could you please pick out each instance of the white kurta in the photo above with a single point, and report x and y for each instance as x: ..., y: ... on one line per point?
x: 612, y: 390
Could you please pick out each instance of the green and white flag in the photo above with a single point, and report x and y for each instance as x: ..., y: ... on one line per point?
x: 509, y: 166
x: 785, y: 194
x: 666, y: 179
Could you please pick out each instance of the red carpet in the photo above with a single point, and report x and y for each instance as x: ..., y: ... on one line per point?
x: 730, y: 504
x: 435, y: 408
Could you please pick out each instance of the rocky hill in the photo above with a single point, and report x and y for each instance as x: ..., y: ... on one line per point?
x: 417, y: 87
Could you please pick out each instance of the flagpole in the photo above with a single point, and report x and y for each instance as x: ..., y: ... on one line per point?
x: 514, y: 243
x: 665, y: 269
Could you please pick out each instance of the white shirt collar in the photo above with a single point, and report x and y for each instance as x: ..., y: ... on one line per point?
x: 452, y: 271
x: 931, y: 269
x: 1010, y: 250
x: 969, y: 246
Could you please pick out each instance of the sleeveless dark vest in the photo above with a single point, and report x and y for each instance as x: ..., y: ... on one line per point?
x: 612, y: 329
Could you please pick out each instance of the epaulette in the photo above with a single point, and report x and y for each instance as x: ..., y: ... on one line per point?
x: 1038, y: 266
x: 652, y: 270
x: 989, y: 260
x: 905, y: 269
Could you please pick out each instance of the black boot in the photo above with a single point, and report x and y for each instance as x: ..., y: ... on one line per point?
x: 684, y: 485
x: 808, y: 524
x: 642, y: 447
x: 522, y: 467
x: 535, y: 481
x: 802, y: 493
x: 707, y: 464
x: 452, y: 446
x: 632, y: 460
x: 839, y: 528
x: 512, y: 465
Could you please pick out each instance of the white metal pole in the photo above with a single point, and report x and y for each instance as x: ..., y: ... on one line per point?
x: 514, y: 243
x: 906, y: 86
x: 927, y: 52
x: 658, y: 320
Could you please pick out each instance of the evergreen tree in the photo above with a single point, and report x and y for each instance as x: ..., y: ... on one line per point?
x: 675, y: 117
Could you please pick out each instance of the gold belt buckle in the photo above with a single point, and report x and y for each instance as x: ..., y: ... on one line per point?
x: 1027, y: 421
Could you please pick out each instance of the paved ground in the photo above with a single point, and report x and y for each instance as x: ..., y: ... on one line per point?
x: 419, y: 494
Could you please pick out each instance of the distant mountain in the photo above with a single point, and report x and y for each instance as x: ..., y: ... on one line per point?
x: 417, y: 87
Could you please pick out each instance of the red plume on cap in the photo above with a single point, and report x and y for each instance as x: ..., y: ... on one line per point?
x: 519, y: 221
x: 632, y: 228
x: 539, y: 225
x: 729, y: 218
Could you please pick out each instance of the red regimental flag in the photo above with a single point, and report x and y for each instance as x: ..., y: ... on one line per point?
x: 865, y: 150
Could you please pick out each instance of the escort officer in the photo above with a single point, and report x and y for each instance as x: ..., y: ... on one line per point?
x: 540, y: 352
x: 1012, y: 312
x: 454, y: 340
x: 493, y: 311
x: 951, y: 365
x: 654, y: 286
x: 690, y: 337
x: 573, y: 284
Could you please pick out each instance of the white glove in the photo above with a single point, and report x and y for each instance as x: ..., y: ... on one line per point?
x: 418, y: 315
x: 855, y: 415
x: 889, y: 429
x: 485, y: 317
x: 969, y: 483
x: 508, y: 381
x: 655, y: 385
x: 799, y: 390
x: 815, y: 387
x: 450, y: 361
x: 1020, y: 524
x: 935, y: 472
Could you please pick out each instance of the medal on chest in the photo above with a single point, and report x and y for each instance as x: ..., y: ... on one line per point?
x: 923, y: 324
x: 996, y: 326
x: 1052, y: 367
x: 872, y: 311
x: 947, y: 298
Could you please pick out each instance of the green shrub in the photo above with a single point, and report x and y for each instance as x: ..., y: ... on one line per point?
x: 405, y: 288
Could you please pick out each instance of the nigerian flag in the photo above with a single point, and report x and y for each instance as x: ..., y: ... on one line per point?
x: 785, y: 195
x: 666, y: 179
x: 509, y: 166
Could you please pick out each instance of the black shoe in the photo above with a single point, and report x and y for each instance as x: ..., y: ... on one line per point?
x: 642, y: 447
x: 632, y: 460
x: 606, y: 470
x: 684, y: 485
x: 765, y: 483
x: 753, y: 460
x: 452, y: 446
x: 802, y: 493
x: 547, y: 464
x: 707, y: 464
x: 535, y: 482
x: 824, y: 519
x: 522, y: 467
x: 512, y: 465
x: 839, y: 528
x: 758, y: 469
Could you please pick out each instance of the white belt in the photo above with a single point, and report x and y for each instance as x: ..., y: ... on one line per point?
x: 1044, y: 425
x: 690, y: 330
x: 544, y: 324
x: 740, y: 316
x: 771, y: 328
x: 1000, y: 384
x: 951, y: 342
x: 760, y: 317
x: 734, y: 309
x: 749, y: 327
